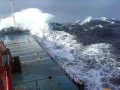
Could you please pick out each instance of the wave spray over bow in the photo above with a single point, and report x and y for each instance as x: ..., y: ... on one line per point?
x: 32, y: 18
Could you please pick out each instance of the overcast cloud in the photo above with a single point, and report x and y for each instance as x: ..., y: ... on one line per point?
x: 66, y: 10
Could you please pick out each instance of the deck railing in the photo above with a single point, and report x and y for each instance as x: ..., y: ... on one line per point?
x: 60, y: 62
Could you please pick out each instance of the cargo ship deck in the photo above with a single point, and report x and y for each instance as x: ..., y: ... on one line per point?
x: 39, y: 71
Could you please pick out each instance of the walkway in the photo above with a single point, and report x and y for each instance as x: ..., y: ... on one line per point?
x: 40, y: 72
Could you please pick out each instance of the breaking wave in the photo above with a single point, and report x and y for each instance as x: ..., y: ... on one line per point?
x: 32, y: 18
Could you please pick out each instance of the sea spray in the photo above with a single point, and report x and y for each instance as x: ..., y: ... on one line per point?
x: 32, y: 18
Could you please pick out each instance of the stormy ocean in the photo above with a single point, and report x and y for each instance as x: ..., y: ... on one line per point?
x: 89, y: 49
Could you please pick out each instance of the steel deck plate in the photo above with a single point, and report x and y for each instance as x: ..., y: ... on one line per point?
x: 38, y: 68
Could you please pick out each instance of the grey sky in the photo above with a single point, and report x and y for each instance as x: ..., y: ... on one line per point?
x: 66, y: 10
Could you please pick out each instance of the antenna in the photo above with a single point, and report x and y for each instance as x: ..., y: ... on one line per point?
x: 12, y: 8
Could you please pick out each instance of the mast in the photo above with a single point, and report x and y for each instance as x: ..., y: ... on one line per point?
x: 12, y: 9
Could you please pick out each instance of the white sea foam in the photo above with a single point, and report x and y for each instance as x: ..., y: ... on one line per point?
x: 87, y: 20
x: 90, y: 18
